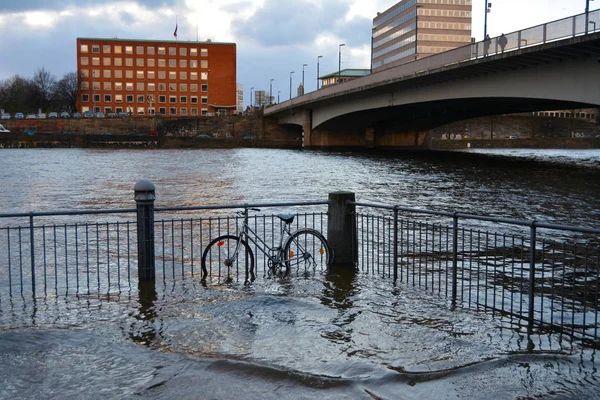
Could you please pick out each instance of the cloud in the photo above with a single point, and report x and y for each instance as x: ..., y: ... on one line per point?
x: 12, y: 6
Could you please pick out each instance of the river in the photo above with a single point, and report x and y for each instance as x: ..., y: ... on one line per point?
x: 329, y: 336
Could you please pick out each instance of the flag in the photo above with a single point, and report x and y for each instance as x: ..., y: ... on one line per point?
x: 175, y: 33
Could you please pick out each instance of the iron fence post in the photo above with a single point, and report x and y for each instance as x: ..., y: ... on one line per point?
x: 31, y: 242
x: 395, y: 251
x: 454, y: 258
x: 340, y: 224
x: 532, y: 259
x: 144, y: 199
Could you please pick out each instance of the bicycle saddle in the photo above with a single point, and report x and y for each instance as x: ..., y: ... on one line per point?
x: 287, y: 218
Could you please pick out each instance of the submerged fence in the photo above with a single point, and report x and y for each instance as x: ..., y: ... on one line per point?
x: 546, y: 275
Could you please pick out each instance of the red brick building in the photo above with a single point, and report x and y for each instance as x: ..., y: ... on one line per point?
x: 144, y: 77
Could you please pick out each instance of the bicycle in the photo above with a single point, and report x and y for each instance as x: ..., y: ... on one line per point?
x: 304, y: 246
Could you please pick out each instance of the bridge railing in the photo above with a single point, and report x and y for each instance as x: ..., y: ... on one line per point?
x: 537, y: 35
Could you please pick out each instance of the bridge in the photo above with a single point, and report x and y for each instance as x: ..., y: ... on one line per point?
x: 552, y: 66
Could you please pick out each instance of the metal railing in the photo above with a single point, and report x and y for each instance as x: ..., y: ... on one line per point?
x: 549, y: 32
x: 549, y: 282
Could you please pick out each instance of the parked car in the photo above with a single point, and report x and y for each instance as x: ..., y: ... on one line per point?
x: 19, y: 115
x: 65, y: 114
x: 66, y: 132
x: 250, y: 137
x: 3, y: 129
x: 5, y: 116
x: 111, y: 115
x: 42, y: 116
x: 512, y: 137
x: 53, y: 114
x: 136, y: 134
x: 76, y: 115
x: 88, y: 114
x: 105, y: 133
x: 30, y: 132
x: 202, y: 137
x: 99, y: 114
x: 31, y: 116
x: 122, y: 114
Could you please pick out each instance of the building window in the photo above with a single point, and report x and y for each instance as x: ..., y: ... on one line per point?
x: 96, y: 98
x: 172, y: 63
x: 194, y: 111
x: 162, y: 87
x: 162, y: 98
x: 96, y: 85
x: 161, y: 50
x: 204, y: 87
x: 151, y: 75
x: 172, y: 111
x: 107, y: 110
x: 107, y: 98
x: 150, y: 50
x: 84, y: 61
x: 107, y: 86
x: 183, y: 75
x: 106, y: 73
x: 204, y: 111
x: 194, y: 99
x: 128, y: 49
x: 182, y: 63
x: 117, y: 49
x: 203, y: 52
x: 119, y: 86
x: 172, y: 75
x: 119, y: 110
x: 118, y: 73
x: 140, y: 98
x: 118, y: 62
x: 193, y: 52
x: 139, y: 75
x: 139, y: 86
x: 172, y: 99
x: 193, y: 87
x: 151, y: 87
x: 194, y: 76
x: 85, y: 86
x: 139, y: 50
x: 106, y: 61
x: 183, y: 51
x: 151, y: 62
x: 129, y: 62
x: 95, y: 48
x: 204, y: 100
x: 129, y: 86
x: 106, y: 49
x: 172, y: 51
x: 84, y: 48
x: 140, y: 111
x: 172, y: 87
x: 95, y: 60
x: 118, y: 98
x: 85, y: 73
x: 129, y: 74
x: 162, y: 111
x: 183, y: 99
x: 162, y: 75
x: 204, y: 76
x: 95, y: 73
x: 139, y: 62
x: 162, y: 62
x: 203, y: 63
x: 183, y: 111
x: 129, y: 98
x: 85, y: 98
x: 183, y: 87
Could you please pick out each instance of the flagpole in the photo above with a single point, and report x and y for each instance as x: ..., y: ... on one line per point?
x: 175, y: 33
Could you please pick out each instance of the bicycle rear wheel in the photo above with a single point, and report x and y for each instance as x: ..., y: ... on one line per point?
x: 221, y: 258
x: 306, y: 248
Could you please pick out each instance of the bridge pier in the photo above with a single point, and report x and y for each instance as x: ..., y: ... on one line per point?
x: 370, y: 138
x: 307, y: 127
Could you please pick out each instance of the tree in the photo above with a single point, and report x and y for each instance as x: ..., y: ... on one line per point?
x: 67, y: 90
x: 45, y: 85
x: 17, y: 95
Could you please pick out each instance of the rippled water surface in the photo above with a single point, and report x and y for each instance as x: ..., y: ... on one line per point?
x: 332, y: 336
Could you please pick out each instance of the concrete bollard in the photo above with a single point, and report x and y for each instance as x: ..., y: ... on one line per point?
x: 144, y: 199
x: 341, y: 227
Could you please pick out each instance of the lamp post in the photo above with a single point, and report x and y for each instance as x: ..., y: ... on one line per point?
x: 291, y: 84
x: 417, y: 30
x: 318, y: 57
x: 251, y: 99
x: 488, y: 8
x: 340, y: 63
x: 587, y: 16
x: 279, y: 91
x: 271, y: 91
x: 303, y: 65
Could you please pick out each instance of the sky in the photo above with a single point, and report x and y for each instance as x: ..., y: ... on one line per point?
x: 273, y: 37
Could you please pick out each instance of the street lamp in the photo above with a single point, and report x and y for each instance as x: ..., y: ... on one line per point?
x: 271, y: 91
x: 488, y: 8
x: 251, y: 98
x: 291, y: 84
x: 318, y: 57
x: 587, y: 16
x: 340, y: 63
x: 417, y: 30
x: 279, y: 91
x: 303, y: 65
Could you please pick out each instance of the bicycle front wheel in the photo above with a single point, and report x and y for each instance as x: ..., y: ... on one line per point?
x: 306, y: 248
x: 227, y: 255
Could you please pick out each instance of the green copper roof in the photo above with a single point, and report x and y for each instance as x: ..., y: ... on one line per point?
x: 356, y: 73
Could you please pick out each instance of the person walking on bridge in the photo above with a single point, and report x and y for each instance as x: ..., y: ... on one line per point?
x: 486, y: 45
x: 502, y: 42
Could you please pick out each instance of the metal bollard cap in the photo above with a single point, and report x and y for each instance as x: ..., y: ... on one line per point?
x: 144, y: 190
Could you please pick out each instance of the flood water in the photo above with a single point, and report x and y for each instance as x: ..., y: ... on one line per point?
x: 330, y: 335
